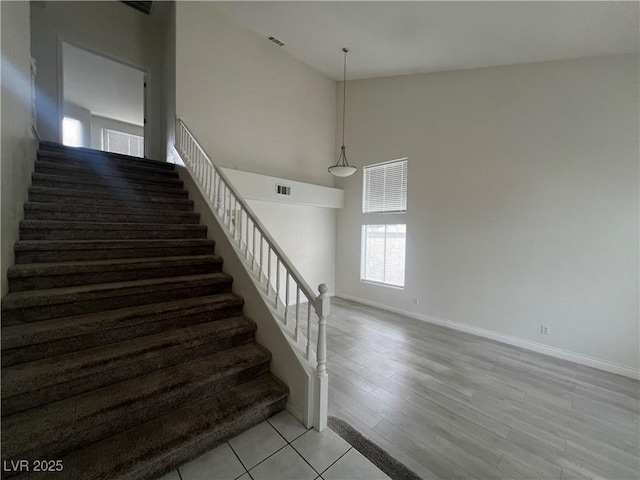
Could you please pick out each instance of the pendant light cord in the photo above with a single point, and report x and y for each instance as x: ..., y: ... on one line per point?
x: 344, y: 92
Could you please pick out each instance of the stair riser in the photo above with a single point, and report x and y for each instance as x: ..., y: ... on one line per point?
x: 108, y: 217
x: 146, y: 326
x: 136, y: 188
x: 98, y: 162
x: 170, y: 178
x: 113, y: 301
x: 69, y: 280
x: 205, y: 441
x: 101, y: 426
x: 124, y: 369
x: 107, y: 168
x: 58, y: 153
x: 107, y: 234
x: 107, y: 254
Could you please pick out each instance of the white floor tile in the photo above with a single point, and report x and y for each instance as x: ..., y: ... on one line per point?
x: 321, y: 449
x: 218, y: 464
x: 171, y: 476
x: 256, y: 444
x: 354, y: 466
x: 288, y: 426
x: 284, y: 465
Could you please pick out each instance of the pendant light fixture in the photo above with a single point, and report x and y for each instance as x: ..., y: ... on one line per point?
x: 342, y: 167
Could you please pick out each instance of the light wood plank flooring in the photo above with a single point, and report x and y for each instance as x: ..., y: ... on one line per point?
x: 452, y: 405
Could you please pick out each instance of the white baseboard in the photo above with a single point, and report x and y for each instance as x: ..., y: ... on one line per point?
x: 507, y: 339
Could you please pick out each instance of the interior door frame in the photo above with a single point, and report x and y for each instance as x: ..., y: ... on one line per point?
x: 61, y: 40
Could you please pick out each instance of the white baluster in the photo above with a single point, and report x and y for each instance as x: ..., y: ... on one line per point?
x: 268, y: 268
x: 286, y: 297
x: 322, y: 379
x: 261, y: 269
x: 309, y: 303
x: 297, y: 312
x: 277, y: 280
x: 253, y: 248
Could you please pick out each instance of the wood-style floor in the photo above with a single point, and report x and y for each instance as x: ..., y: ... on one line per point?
x: 452, y: 405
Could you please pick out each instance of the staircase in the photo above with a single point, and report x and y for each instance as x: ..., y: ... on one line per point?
x: 124, y: 352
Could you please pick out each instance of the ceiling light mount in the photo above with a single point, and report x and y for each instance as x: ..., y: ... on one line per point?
x: 342, y: 167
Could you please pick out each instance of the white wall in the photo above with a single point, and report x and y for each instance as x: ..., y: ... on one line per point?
x: 303, y: 224
x: 111, y: 29
x: 17, y: 145
x: 98, y: 123
x: 522, y: 204
x: 253, y: 106
x: 169, y: 80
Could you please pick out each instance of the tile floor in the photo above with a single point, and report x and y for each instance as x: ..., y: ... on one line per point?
x: 280, y: 448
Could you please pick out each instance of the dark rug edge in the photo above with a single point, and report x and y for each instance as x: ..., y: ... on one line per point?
x: 376, y: 455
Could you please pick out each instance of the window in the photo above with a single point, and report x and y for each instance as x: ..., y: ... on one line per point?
x: 71, y: 132
x: 383, y: 252
x: 121, y: 142
x: 385, y: 187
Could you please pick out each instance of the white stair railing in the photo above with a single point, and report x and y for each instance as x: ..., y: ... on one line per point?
x: 274, y: 272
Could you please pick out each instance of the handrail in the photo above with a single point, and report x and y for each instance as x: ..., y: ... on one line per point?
x: 232, y: 211
x: 304, y: 286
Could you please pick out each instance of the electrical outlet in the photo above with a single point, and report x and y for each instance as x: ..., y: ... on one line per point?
x: 544, y: 329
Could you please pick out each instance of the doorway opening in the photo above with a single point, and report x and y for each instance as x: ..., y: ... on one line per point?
x: 103, y: 103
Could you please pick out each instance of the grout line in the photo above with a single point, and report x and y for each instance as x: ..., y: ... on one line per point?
x: 350, y: 448
x: 262, y: 461
x: 278, y: 432
x: 241, y: 462
x: 179, y: 474
x: 301, y: 456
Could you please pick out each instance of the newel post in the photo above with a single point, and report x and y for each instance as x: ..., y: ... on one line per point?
x: 322, y: 379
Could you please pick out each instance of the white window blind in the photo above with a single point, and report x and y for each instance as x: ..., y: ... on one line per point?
x: 385, y: 187
x: 121, y: 142
x: 383, y: 254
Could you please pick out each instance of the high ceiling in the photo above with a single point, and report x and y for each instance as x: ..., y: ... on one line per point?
x: 397, y: 38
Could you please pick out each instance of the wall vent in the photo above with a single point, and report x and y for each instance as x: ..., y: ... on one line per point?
x: 283, y: 190
x: 276, y: 41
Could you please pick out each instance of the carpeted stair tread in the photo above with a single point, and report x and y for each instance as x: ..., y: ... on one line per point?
x: 31, y: 384
x: 107, y: 170
x: 65, y: 294
x: 80, y: 154
x: 33, y: 276
x: 64, y: 225
x: 37, y: 305
x: 96, y: 213
x: 147, y: 451
x: 47, y: 331
x: 103, y: 185
x: 71, y: 250
x: 54, y: 428
x: 64, y: 230
x: 115, y: 198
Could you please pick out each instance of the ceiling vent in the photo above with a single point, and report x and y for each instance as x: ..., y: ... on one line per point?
x: 144, y: 7
x: 276, y: 41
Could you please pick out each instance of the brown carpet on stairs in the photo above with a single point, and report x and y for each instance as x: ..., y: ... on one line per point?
x: 124, y: 351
